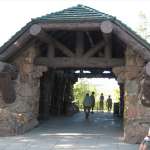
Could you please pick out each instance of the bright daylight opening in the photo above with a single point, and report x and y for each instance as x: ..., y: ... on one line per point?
x: 97, y: 85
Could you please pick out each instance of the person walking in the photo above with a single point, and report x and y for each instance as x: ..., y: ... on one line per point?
x: 109, y: 103
x: 87, y: 103
x: 93, y: 101
x: 145, y: 145
x: 101, y: 104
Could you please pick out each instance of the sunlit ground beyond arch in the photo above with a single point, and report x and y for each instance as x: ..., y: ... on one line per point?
x: 98, y: 85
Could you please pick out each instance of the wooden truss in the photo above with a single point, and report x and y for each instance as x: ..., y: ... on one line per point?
x: 79, y: 58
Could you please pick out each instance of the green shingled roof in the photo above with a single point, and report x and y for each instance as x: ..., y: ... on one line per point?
x: 77, y: 13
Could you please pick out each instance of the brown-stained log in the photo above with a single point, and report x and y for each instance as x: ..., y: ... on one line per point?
x: 64, y: 62
x: 94, y: 49
x: 79, y: 44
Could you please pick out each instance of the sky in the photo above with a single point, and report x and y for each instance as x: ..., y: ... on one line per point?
x: 14, y: 14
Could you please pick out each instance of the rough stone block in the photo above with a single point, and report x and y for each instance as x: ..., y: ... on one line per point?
x: 131, y: 87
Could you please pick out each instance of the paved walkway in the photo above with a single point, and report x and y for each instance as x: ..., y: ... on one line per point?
x: 100, y: 132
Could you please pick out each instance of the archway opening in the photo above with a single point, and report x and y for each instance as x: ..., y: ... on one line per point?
x: 62, y: 91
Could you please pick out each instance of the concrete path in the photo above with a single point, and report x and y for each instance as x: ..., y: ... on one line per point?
x: 100, y: 132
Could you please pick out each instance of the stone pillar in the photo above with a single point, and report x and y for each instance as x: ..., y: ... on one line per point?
x: 21, y: 115
x: 136, y: 116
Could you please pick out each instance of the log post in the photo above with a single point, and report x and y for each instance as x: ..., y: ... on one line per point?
x: 51, y: 50
x: 79, y: 44
x: 107, y: 28
x: 121, y: 85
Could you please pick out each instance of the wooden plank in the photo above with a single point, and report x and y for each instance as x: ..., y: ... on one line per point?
x: 94, y: 49
x: 79, y: 43
x: 64, y: 62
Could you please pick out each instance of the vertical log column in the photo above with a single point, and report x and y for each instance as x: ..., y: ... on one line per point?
x: 79, y: 44
x: 121, y: 85
x: 107, y: 28
x: 44, y: 99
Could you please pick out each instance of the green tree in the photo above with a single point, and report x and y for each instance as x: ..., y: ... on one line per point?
x: 116, y: 92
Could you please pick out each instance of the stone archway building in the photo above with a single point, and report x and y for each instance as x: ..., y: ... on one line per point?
x: 77, y: 37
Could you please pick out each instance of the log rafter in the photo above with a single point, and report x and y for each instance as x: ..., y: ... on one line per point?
x: 94, y: 49
x: 39, y: 33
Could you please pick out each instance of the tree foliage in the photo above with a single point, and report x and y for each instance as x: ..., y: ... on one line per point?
x: 80, y: 90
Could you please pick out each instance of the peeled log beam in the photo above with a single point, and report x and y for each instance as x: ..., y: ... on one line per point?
x: 94, y: 62
x: 37, y: 31
x: 82, y: 26
x: 107, y: 28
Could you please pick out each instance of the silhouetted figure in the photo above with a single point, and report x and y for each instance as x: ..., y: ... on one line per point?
x: 87, y: 103
x: 145, y: 145
x: 101, y: 104
x: 93, y: 101
x: 109, y: 103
